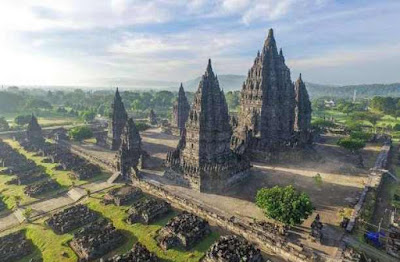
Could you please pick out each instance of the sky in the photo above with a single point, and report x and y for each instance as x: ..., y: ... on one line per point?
x: 106, y: 42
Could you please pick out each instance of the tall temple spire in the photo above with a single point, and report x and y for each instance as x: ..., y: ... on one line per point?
x: 130, y: 150
x: 270, y: 43
x: 203, y: 156
x: 302, y: 122
x: 180, y: 112
x: 209, y: 70
x: 34, y: 131
x: 117, y: 122
x: 268, y: 100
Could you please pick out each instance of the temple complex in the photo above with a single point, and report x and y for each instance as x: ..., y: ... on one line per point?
x: 203, y: 159
x: 117, y: 122
x: 180, y: 112
x: 130, y: 151
x: 34, y: 133
x: 271, y: 106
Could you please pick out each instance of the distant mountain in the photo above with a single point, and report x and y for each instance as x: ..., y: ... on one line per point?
x: 226, y: 82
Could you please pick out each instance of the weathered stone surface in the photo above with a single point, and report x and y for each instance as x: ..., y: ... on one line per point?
x: 180, y: 112
x: 71, y: 218
x: 138, y: 253
x: 124, y: 195
x: 185, y: 231
x: 34, y: 132
x: 268, y: 103
x: 14, y: 246
x: 95, y: 240
x: 233, y: 249
x: 203, y: 159
x: 152, y: 117
x: 148, y: 210
x: 130, y: 151
x: 316, y: 229
x: 117, y: 122
x: 41, y: 187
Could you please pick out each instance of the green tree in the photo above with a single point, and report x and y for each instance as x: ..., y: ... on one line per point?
x: 360, y: 135
x: 3, y: 124
x: 351, y: 144
x: 88, y: 116
x: 80, y: 133
x: 284, y: 204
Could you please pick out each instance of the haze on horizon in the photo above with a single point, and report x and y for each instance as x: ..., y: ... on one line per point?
x: 98, y: 43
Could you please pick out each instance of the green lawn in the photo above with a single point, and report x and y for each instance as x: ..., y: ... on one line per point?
x: 51, y: 247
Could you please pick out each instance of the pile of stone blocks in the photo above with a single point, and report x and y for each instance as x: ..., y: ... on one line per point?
x: 95, y: 240
x: 185, y: 231
x: 71, y: 218
x: 14, y: 246
x: 147, y: 210
x: 41, y: 187
x: 138, y: 253
x: 122, y: 196
x: 233, y: 249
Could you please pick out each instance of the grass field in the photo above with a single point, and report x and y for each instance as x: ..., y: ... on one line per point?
x: 52, y: 247
x: 62, y: 177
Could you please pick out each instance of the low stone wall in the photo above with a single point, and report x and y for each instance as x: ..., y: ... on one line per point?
x: 374, y: 182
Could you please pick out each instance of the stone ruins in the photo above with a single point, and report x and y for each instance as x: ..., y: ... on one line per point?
x: 273, y: 109
x: 41, y: 187
x: 34, y: 132
x: 147, y: 210
x: 14, y: 246
x: 71, y: 218
x: 316, y: 229
x: 130, y: 151
x: 95, y: 240
x: 117, y: 122
x: 138, y: 253
x: 180, y: 112
x: 152, y: 117
x: 123, y: 195
x: 25, y: 170
x: 184, y: 230
x: 203, y: 159
x: 233, y: 249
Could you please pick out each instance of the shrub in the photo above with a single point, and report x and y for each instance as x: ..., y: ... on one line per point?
x: 80, y: 133
x: 284, y: 204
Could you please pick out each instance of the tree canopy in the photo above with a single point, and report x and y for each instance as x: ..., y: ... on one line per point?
x: 80, y: 133
x: 351, y: 144
x: 284, y: 204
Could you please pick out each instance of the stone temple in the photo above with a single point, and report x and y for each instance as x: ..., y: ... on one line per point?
x: 180, y: 112
x: 117, y: 122
x: 203, y: 159
x: 34, y: 133
x: 302, y: 119
x: 273, y: 109
x: 130, y: 151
